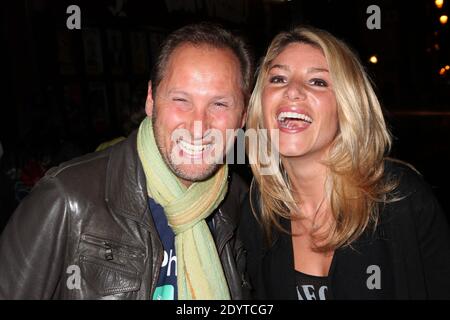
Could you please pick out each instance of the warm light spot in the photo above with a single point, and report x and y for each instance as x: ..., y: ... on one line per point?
x: 436, y: 46
x: 447, y: 67
x: 373, y: 59
x: 442, y: 71
x: 443, y: 19
x: 439, y: 3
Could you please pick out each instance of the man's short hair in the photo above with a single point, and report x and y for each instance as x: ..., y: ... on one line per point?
x: 212, y: 35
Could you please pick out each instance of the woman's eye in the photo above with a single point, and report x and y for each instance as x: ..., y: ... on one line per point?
x: 277, y: 79
x: 319, y: 82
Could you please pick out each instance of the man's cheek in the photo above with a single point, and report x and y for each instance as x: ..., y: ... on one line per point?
x: 228, y: 121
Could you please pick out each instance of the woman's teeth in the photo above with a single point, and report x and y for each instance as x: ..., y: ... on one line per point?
x: 293, y: 120
x: 293, y: 116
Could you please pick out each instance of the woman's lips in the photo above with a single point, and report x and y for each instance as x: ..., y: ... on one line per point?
x: 289, y: 127
x: 292, y: 120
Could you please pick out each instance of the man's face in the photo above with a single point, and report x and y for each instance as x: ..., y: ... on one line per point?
x: 200, y: 85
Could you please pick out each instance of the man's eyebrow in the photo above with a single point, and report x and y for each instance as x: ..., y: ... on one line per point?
x: 176, y: 91
x: 280, y: 66
x: 227, y: 98
x: 219, y: 97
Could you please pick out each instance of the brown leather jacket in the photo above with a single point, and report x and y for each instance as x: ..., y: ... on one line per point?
x: 90, y: 217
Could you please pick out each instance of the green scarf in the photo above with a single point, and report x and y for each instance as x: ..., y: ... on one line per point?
x: 199, y: 271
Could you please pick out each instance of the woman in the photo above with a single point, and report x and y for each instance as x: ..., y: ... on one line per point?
x: 337, y: 219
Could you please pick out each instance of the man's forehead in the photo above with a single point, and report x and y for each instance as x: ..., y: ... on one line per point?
x: 189, y: 53
x: 192, y: 65
x: 202, y: 47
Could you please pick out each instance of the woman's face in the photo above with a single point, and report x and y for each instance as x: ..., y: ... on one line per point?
x: 298, y: 99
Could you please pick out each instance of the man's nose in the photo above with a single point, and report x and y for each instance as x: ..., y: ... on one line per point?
x: 198, y: 124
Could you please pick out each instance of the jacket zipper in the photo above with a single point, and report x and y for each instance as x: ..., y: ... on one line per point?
x: 226, y: 239
x: 159, y: 259
x: 111, y: 248
x: 158, y: 265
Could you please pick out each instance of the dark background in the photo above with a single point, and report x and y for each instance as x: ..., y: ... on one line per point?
x: 67, y: 91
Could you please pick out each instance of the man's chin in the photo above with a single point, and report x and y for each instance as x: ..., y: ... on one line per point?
x: 195, y: 172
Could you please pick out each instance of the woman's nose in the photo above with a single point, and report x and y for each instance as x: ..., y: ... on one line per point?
x: 295, y: 91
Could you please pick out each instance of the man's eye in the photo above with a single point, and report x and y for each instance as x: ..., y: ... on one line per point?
x: 220, y: 104
x: 179, y: 99
x: 319, y: 82
x: 277, y: 79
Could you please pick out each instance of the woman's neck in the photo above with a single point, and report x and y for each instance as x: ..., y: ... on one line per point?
x: 308, y: 179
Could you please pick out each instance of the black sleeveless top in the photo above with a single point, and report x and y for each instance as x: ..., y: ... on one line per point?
x: 311, y: 287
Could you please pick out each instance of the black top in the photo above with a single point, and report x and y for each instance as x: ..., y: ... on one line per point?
x: 407, y: 257
x: 311, y: 287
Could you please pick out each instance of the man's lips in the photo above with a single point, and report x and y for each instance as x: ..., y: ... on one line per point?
x: 194, y: 150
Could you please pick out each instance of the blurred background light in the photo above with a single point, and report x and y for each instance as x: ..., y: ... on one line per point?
x: 439, y: 3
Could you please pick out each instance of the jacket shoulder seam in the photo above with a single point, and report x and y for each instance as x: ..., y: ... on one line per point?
x: 57, y: 170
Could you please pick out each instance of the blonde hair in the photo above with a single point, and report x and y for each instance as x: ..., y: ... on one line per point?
x: 356, y: 158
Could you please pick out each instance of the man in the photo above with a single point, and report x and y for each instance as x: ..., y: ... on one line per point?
x: 147, y: 218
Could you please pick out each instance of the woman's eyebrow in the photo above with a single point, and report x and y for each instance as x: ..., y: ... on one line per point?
x: 280, y: 66
x: 315, y: 69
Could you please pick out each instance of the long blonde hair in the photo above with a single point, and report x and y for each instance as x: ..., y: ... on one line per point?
x: 356, y: 158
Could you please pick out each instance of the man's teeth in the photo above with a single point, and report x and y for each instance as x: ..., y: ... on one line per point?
x: 294, y: 115
x: 193, y: 148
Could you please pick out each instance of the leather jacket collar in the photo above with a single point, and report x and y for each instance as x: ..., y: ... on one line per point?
x: 125, y: 188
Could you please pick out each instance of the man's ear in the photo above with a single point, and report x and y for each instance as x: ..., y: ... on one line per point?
x: 149, y: 101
